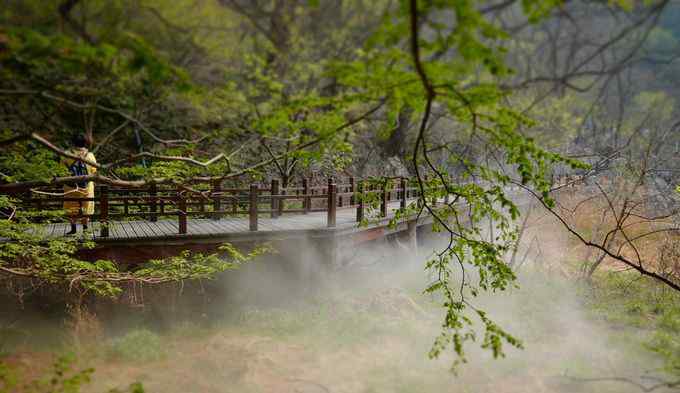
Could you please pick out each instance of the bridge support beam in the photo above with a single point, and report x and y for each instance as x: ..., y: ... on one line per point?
x: 331, y: 252
x: 412, y: 236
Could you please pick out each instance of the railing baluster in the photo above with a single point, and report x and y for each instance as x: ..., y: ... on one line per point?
x: 307, y: 201
x: 274, y: 201
x: 182, y: 213
x: 383, y: 201
x: 360, y: 202
x: 351, y: 189
x: 201, y: 205
x: 281, y: 203
x: 104, y: 211
x: 217, y: 201
x: 153, y: 193
x: 332, y: 194
x: 253, y: 207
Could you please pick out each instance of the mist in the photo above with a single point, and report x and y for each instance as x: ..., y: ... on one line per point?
x: 369, y: 328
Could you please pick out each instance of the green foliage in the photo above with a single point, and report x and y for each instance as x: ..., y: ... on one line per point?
x: 45, y: 57
x: 30, y: 253
x: 137, y: 345
x: 478, y: 106
x: 194, y: 266
x: 293, y: 92
x: 28, y: 162
x: 8, y: 379
x: 624, y: 298
x: 63, y: 378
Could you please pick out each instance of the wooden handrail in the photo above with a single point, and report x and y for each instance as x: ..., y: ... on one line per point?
x: 212, y: 200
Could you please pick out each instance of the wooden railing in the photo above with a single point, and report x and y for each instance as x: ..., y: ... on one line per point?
x: 214, y: 200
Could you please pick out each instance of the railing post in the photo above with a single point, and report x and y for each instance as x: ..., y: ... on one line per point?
x: 104, y: 211
x: 403, y: 195
x: 217, y: 201
x: 307, y: 201
x: 274, y: 202
x: 383, y: 201
x: 351, y: 189
x: 182, y: 213
x: 281, y: 202
x: 360, y: 202
x: 253, y: 207
x: 153, y: 208
x: 332, y: 194
x: 38, y: 203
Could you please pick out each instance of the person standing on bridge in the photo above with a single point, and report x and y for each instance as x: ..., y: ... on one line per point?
x: 74, y: 207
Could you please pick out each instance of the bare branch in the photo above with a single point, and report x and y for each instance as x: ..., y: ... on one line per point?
x: 98, y: 178
x: 110, y: 135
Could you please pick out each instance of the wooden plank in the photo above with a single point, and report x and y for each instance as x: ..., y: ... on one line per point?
x: 137, y: 226
x: 214, y: 228
x: 167, y: 227
x: 115, y: 230
x: 155, y: 228
x: 236, y: 225
x: 129, y: 231
x: 123, y: 230
x: 232, y: 226
x: 173, y: 226
x: 51, y: 230
x: 143, y: 228
x: 197, y: 227
x: 206, y: 225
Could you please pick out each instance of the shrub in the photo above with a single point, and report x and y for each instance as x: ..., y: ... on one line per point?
x: 137, y: 345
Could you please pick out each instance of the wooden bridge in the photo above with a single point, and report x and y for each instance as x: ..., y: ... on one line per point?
x: 211, y: 212
x: 160, y: 220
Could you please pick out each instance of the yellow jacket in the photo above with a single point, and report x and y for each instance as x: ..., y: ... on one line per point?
x: 74, y: 207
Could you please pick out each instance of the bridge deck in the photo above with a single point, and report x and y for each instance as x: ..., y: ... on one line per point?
x: 224, y: 228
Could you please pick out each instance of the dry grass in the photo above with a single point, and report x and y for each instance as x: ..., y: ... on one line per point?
x: 594, y: 216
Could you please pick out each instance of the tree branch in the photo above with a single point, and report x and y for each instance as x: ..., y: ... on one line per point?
x: 98, y: 178
x: 638, y: 267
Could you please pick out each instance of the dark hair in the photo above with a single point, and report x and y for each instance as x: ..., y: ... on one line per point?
x: 79, y: 140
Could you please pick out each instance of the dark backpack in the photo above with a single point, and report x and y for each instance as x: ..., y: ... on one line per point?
x: 78, y: 168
